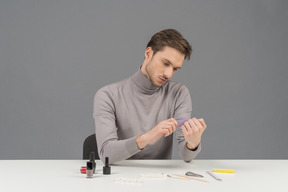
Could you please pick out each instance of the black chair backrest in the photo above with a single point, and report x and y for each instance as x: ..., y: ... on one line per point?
x: 90, y: 145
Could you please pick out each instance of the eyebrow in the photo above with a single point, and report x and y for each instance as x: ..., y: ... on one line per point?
x: 166, y: 60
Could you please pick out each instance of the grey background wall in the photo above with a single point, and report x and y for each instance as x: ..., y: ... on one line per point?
x: 54, y: 56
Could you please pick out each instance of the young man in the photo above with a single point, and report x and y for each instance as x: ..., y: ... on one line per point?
x: 135, y: 118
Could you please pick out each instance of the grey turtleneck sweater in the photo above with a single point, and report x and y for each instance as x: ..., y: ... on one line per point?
x: 133, y: 106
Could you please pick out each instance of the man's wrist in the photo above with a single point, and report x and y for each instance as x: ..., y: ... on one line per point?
x: 140, y: 141
x: 192, y: 147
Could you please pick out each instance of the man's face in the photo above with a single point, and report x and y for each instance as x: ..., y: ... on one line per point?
x: 160, y: 67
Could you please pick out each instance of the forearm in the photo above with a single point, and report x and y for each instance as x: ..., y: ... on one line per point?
x: 142, y: 141
x: 193, y: 146
x: 188, y: 154
x: 118, y: 150
x: 163, y: 128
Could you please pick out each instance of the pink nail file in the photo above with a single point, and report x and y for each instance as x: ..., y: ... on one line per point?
x: 182, y: 121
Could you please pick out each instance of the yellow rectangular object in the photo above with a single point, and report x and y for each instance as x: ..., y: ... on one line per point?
x: 223, y: 170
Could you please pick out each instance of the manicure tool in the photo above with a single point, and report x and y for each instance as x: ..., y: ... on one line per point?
x: 214, y: 176
x: 182, y: 121
x: 223, y: 170
x: 192, y: 174
x: 183, y: 177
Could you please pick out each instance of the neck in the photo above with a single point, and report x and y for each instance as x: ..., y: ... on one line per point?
x: 143, y: 83
x: 143, y: 70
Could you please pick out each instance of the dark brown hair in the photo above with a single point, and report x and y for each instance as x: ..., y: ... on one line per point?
x: 171, y: 38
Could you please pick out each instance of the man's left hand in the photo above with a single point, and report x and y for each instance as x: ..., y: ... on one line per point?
x: 192, y: 130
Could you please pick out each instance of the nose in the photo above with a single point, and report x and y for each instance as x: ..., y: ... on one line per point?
x: 168, y: 72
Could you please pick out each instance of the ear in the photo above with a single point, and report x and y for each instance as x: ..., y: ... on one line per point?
x: 148, y: 53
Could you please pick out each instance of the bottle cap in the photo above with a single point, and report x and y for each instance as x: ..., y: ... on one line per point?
x: 89, y: 165
x: 83, y: 170
x: 92, y: 156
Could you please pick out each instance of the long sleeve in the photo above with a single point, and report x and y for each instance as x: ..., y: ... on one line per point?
x: 131, y: 107
x: 106, y: 130
x: 183, y: 109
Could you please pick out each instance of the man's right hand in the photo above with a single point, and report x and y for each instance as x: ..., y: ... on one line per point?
x: 164, y: 128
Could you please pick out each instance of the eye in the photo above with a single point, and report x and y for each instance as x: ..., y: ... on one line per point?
x: 165, y: 63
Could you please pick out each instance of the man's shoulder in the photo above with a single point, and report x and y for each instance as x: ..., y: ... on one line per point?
x: 174, y: 86
x: 112, y: 88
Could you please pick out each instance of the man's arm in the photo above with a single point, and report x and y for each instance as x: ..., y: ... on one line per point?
x: 108, y: 142
x: 163, y: 128
x: 193, y: 130
x: 188, y: 144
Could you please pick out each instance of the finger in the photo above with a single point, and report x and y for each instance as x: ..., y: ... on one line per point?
x: 185, y: 132
x: 173, y: 121
x: 194, y: 127
x: 181, y: 122
x: 188, y: 127
x: 166, y: 133
x: 203, y: 123
x: 197, y: 123
x: 173, y: 125
x: 168, y: 128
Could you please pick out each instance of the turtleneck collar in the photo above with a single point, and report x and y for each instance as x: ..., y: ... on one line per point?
x: 145, y: 85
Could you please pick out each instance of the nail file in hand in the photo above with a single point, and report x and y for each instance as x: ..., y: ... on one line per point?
x: 182, y: 121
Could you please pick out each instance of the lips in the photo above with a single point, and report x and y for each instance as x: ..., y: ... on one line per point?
x: 163, y: 80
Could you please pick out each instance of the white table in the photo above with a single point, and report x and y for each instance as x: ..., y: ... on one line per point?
x: 64, y: 175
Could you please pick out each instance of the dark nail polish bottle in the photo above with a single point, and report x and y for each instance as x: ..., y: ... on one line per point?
x: 106, y: 168
x: 89, y: 169
x: 92, y: 159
